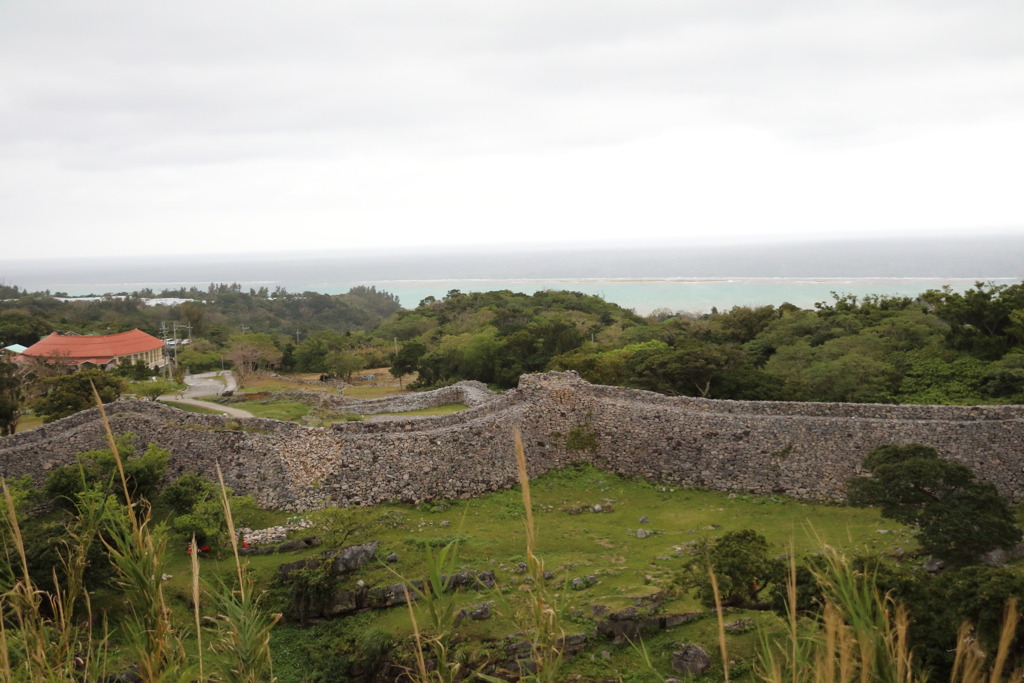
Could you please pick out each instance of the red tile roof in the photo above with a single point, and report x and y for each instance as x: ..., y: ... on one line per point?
x: 99, y: 350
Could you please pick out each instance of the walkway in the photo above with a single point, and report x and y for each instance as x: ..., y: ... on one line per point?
x: 209, y: 384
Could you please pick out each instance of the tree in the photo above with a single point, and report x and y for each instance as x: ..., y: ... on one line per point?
x: 252, y: 352
x: 408, y: 358
x: 136, y: 372
x: 12, y: 396
x: 957, y: 517
x: 342, y: 364
x: 69, y: 394
x: 742, y: 568
x: 152, y: 390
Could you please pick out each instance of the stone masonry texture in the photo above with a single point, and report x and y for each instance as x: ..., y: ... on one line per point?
x: 804, y: 450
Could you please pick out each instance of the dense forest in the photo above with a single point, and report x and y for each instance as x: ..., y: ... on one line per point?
x: 939, y: 347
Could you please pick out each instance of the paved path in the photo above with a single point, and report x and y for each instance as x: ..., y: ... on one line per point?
x: 209, y: 384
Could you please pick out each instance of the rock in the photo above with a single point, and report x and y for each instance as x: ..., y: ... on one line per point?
x: 354, y: 556
x: 644, y: 520
x: 934, y: 565
x: 742, y: 625
x: 642, y: 533
x: 995, y: 558
x: 288, y: 546
x: 392, y: 558
x: 691, y: 660
x: 578, y: 584
x: 597, y: 508
x: 345, y: 560
x: 480, y: 612
x: 630, y: 625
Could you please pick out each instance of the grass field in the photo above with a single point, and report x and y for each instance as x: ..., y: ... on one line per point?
x: 446, y: 409
x: 260, y: 383
x: 289, y: 411
x: 366, y: 392
x: 29, y: 421
x: 602, y: 544
x: 189, y: 408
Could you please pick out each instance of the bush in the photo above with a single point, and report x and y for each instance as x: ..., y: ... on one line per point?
x: 64, y: 485
x: 741, y: 565
x: 183, y: 493
x: 69, y: 394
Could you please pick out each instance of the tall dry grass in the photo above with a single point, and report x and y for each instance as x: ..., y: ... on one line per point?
x: 862, y: 636
x: 53, y: 635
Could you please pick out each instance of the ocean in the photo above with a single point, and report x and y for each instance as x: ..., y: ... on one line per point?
x: 676, y: 277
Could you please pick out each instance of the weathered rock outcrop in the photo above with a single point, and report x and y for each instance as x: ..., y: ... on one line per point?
x: 807, y: 450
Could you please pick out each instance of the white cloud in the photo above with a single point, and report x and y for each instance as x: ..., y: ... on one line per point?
x: 266, y: 124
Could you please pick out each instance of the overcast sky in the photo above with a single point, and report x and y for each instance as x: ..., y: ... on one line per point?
x: 143, y: 127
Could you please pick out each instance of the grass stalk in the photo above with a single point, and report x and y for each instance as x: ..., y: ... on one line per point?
x: 196, y: 598
x: 544, y: 611
x: 721, y: 623
x: 242, y: 633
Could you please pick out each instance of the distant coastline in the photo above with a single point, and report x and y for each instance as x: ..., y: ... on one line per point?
x: 643, y: 277
x: 644, y: 295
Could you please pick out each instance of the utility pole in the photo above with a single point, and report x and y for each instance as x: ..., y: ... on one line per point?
x: 396, y: 358
x: 175, y: 344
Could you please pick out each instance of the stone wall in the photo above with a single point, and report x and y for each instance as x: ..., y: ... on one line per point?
x: 799, y: 449
x: 470, y: 393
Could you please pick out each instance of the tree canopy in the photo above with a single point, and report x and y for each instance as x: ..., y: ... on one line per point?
x: 957, y: 517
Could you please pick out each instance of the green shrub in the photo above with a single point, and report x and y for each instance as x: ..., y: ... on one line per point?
x: 183, y: 493
x: 98, y: 468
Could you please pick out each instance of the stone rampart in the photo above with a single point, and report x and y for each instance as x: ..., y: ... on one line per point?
x: 807, y: 450
x: 470, y: 393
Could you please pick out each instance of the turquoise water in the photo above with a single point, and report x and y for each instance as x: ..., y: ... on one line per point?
x: 645, y: 278
x: 689, y: 295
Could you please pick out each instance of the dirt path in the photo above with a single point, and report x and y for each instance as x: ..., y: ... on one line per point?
x: 209, y: 384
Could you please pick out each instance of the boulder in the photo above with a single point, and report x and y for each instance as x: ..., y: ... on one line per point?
x: 344, y: 560
x: 354, y: 556
x: 691, y: 660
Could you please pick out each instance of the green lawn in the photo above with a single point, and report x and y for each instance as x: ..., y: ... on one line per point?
x: 29, y: 421
x: 189, y: 408
x: 601, y: 544
x: 446, y: 409
x: 290, y: 411
x: 374, y: 392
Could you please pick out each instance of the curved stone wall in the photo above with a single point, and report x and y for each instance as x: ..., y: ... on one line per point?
x: 807, y: 450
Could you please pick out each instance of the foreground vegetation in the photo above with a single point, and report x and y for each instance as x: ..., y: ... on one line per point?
x: 810, y: 592
x: 804, y: 587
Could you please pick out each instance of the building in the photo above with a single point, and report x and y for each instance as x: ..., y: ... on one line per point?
x: 13, y: 350
x: 100, y: 351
